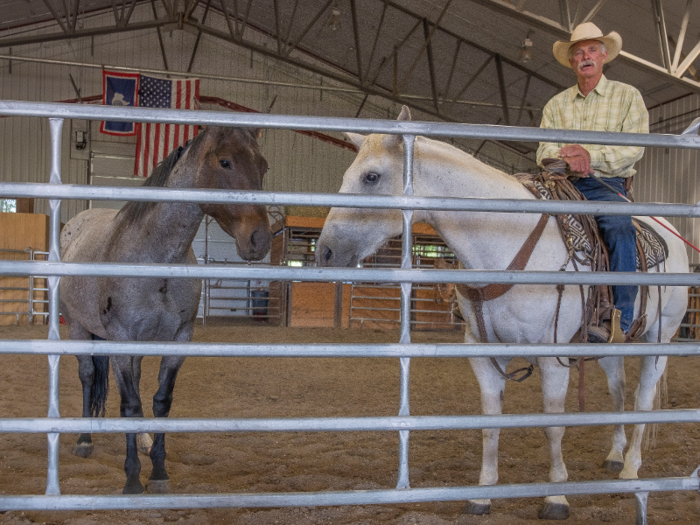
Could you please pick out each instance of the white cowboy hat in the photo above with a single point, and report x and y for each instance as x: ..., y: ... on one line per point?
x: 588, y: 31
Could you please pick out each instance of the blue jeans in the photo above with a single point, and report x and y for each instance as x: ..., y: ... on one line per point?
x: 619, y: 235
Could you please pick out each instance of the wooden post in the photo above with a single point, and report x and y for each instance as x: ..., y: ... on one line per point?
x: 338, y: 307
x: 25, y: 205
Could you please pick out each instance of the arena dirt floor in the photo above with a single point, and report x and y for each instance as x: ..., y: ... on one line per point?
x: 270, y: 462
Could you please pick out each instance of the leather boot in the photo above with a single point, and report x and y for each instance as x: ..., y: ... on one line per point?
x: 607, y: 331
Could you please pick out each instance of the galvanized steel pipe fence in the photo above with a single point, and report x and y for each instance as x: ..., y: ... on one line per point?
x: 404, y: 423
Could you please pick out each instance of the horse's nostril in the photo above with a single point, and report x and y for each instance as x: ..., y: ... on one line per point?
x: 257, y: 239
x: 326, y: 254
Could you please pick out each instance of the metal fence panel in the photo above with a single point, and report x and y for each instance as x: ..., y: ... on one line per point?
x: 404, y: 423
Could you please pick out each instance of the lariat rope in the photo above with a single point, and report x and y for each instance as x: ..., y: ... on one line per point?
x: 603, y: 183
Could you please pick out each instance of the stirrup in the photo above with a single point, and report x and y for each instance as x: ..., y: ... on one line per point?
x: 607, y: 332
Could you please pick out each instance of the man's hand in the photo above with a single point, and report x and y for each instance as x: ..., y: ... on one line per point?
x: 578, y: 159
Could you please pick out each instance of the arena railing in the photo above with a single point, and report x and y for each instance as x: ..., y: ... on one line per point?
x: 404, y: 422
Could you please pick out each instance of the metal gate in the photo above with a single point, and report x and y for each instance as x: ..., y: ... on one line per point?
x: 403, y: 423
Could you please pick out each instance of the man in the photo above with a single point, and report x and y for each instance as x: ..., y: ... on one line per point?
x: 598, y: 104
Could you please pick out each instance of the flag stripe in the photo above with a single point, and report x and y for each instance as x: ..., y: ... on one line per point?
x: 156, y: 141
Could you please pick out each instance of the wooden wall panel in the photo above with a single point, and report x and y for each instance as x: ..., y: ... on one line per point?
x: 312, y: 305
x: 21, y: 231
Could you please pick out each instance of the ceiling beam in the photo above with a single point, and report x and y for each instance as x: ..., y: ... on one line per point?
x: 356, y: 36
x: 426, y: 42
x: 82, y: 33
x: 56, y: 16
x: 481, y: 48
x: 502, y: 89
x: 661, y: 33
x: 368, y: 89
x: 565, y: 14
x: 594, y: 11
x: 376, y: 38
x: 291, y: 47
x: 681, y: 35
x: 431, y: 65
x: 556, y: 29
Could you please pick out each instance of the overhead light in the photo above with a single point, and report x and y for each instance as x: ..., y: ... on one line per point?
x: 334, y: 19
x: 526, y: 49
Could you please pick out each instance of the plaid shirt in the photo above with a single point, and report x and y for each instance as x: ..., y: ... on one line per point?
x: 611, y: 106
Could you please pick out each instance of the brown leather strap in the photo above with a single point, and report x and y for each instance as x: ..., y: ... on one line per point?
x: 479, y: 295
x: 510, y: 376
x: 493, y: 291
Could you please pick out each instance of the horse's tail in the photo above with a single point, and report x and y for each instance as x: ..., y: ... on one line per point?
x: 100, y: 384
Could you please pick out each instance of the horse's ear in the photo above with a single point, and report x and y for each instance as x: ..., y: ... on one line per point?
x: 198, y: 107
x: 355, y: 138
x: 391, y: 141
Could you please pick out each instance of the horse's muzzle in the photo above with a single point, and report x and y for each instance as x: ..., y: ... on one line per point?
x: 326, y: 256
x: 257, y: 245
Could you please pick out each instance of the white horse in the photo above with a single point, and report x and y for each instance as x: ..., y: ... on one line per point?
x: 525, y: 314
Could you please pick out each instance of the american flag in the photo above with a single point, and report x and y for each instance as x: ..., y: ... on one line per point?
x: 155, y: 141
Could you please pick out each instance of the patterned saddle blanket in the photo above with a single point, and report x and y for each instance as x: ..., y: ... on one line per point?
x: 653, y: 246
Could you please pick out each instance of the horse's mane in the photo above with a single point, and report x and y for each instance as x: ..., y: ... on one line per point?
x: 132, y: 212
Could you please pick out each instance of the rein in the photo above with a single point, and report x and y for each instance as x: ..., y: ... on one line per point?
x: 479, y: 295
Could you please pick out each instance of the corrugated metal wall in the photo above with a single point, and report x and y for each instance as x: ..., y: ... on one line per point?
x: 298, y: 163
x: 670, y: 175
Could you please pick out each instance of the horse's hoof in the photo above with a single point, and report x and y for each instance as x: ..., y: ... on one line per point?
x: 553, y: 511
x: 159, y: 486
x: 144, y: 443
x: 133, y: 488
x: 476, y: 509
x: 82, y: 450
x: 613, y: 465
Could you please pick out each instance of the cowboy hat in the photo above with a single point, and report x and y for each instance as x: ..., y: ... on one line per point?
x: 588, y: 31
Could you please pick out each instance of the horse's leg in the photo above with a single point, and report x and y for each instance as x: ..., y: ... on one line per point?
x: 555, y: 381
x: 143, y: 440
x: 86, y: 372
x: 675, y: 304
x: 651, y: 372
x: 159, y: 482
x: 492, y: 385
x: 130, y: 407
x: 614, y: 368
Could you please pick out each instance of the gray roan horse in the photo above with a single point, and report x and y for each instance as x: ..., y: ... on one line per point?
x: 150, y: 309
x: 526, y: 314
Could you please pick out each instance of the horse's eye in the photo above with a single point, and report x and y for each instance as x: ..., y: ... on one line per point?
x: 225, y: 164
x: 371, y: 177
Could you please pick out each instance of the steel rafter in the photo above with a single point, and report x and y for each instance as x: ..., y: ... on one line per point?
x: 291, y: 47
x: 368, y: 89
x: 681, y: 35
x: 661, y: 33
x: 556, y: 29
x: 57, y: 17
x: 82, y: 33
x: 428, y: 37
x: 356, y: 35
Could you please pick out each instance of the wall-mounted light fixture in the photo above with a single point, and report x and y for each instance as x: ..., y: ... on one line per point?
x: 80, y: 139
x: 526, y: 49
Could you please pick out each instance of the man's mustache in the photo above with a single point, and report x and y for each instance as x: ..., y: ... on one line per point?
x: 586, y: 63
